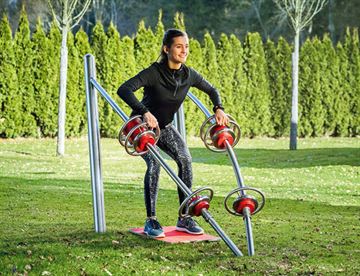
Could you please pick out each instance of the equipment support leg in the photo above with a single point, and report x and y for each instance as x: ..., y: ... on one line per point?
x: 208, y: 218
x: 95, y: 164
x: 94, y: 146
x: 205, y: 213
x: 247, y: 217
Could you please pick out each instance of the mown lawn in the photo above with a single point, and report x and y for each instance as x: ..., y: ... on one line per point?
x: 310, y: 224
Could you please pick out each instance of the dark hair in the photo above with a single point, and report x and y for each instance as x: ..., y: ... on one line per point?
x: 168, y: 40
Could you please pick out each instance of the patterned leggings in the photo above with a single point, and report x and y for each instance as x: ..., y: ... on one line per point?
x: 173, y: 145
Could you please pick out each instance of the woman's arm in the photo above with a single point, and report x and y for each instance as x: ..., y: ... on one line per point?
x: 202, y: 84
x: 127, y: 89
x: 126, y: 93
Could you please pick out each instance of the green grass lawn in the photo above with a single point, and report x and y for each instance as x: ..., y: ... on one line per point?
x: 310, y: 224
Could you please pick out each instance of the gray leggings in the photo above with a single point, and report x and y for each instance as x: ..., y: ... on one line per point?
x: 173, y: 145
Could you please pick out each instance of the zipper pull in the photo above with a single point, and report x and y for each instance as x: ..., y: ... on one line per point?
x: 177, y: 84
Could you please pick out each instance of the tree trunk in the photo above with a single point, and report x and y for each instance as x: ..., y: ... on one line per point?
x: 294, y: 101
x: 62, y: 93
x: 331, y: 25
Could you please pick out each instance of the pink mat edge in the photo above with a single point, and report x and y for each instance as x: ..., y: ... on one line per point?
x: 176, y: 236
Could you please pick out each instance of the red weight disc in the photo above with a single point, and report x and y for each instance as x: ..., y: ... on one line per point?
x: 224, y: 136
x: 130, y: 125
x: 144, y: 140
x: 240, y: 204
x: 216, y: 129
x: 219, y: 138
x: 201, y: 205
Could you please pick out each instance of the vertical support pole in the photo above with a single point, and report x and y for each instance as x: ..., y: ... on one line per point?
x: 205, y: 213
x: 249, y: 235
x: 179, y: 122
x: 246, y: 212
x: 94, y: 145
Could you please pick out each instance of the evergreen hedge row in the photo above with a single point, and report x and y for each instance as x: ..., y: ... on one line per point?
x: 254, y: 78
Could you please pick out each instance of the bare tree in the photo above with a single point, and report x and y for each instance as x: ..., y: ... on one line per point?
x: 300, y: 14
x: 257, y: 7
x: 67, y: 14
x: 98, y: 9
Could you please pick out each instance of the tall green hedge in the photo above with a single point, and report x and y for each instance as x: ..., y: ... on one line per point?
x: 343, y: 118
x: 312, y: 111
x: 53, y: 57
x: 330, y: 81
x: 253, y: 77
x: 257, y: 93
x: 24, y: 59
x: 10, y: 101
x: 74, y: 96
x: 83, y: 47
x: 279, y: 74
x: 146, y: 47
x: 239, y: 84
x: 193, y: 115
x: 45, y: 82
x: 225, y: 61
x: 351, y: 46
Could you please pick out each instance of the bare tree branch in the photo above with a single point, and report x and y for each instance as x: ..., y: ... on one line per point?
x: 311, y: 14
x: 72, y: 6
x: 258, y: 15
x: 66, y: 9
x: 300, y: 12
x: 66, y: 20
x: 78, y: 17
x: 57, y: 21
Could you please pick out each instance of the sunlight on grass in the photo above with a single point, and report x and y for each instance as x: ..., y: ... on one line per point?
x: 310, y: 224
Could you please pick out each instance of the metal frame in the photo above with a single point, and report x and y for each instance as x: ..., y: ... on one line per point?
x: 95, y: 164
x: 94, y: 146
x: 179, y: 122
x: 239, y: 178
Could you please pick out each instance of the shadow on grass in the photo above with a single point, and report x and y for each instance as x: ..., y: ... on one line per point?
x: 287, y: 225
x: 50, y: 221
x: 15, y: 182
x: 268, y: 158
x: 65, y: 218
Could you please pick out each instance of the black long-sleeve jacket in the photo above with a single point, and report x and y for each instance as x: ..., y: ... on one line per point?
x: 164, y: 90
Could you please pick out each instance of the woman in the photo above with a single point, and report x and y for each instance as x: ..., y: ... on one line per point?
x: 166, y: 84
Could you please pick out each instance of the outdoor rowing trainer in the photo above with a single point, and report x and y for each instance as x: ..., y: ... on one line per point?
x: 220, y: 139
x: 137, y: 139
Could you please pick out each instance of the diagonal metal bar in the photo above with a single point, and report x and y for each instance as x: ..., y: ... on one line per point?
x: 239, y: 179
x: 91, y: 83
x: 247, y: 215
x: 205, y: 213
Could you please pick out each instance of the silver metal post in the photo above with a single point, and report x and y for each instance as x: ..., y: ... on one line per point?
x: 235, y: 165
x: 168, y: 169
x: 179, y: 122
x: 94, y: 146
x: 249, y: 235
x: 95, y: 164
x: 199, y: 104
x: 246, y: 212
x: 205, y: 213
x: 239, y: 178
x: 108, y: 98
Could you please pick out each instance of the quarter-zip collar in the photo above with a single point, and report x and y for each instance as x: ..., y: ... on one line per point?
x: 173, y: 77
x: 176, y: 81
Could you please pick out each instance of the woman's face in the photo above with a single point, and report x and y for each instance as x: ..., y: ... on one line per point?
x: 179, y: 50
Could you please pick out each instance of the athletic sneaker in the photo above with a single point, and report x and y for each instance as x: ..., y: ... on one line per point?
x: 153, y: 228
x: 189, y: 225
